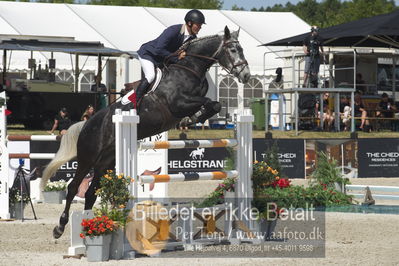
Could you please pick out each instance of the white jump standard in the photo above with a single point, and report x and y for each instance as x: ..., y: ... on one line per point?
x: 127, y: 147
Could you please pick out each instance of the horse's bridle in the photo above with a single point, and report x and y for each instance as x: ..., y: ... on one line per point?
x: 219, y: 50
x: 215, y: 59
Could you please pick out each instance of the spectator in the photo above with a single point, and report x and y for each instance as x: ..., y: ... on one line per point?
x: 61, y: 122
x: 328, y: 115
x: 360, y: 84
x: 386, y: 107
x: 89, y: 112
x: 361, y: 112
x: 312, y: 47
x: 98, y: 86
x: 345, y: 112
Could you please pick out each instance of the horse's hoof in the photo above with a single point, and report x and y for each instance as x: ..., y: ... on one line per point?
x: 57, y: 232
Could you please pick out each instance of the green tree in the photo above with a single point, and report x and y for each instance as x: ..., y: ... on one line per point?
x: 235, y: 7
x: 198, y: 4
x: 333, y: 12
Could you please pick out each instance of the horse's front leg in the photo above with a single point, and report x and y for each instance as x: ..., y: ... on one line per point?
x: 208, y: 109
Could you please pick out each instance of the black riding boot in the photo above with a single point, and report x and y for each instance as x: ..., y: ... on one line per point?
x: 142, y: 89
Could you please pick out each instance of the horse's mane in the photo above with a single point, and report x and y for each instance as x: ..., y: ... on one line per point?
x: 194, y: 41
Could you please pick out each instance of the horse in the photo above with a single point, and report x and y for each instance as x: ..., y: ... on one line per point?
x: 179, y: 97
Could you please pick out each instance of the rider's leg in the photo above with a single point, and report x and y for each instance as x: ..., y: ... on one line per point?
x: 149, y: 76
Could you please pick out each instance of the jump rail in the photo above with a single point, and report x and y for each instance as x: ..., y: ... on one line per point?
x: 218, y: 175
x: 31, y: 155
x: 351, y: 189
x: 33, y: 138
x: 182, y: 144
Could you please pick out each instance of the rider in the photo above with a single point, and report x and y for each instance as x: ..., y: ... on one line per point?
x: 153, y: 53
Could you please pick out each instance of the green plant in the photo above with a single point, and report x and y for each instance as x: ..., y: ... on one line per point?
x: 114, y: 195
x: 16, y: 197
x: 271, y: 156
x: 270, y: 200
x: 263, y: 175
x: 327, y: 172
x: 60, y: 185
x: 301, y: 197
x: 217, y: 196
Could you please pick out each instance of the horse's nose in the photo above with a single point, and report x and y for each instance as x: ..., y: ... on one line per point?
x: 247, y: 76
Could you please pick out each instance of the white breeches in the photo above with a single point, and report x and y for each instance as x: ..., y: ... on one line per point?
x: 148, y: 69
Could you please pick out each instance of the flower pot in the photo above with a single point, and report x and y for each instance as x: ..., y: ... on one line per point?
x: 54, y: 196
x: 17, y: 211
x: 97, y: 247
x: 266, y: 227
x: 117, y: 243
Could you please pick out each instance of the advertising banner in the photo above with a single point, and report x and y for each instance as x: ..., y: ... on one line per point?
x: 291, y: 154
x: 378, y: 158
x: 341, y: 150
x: 197, y: 160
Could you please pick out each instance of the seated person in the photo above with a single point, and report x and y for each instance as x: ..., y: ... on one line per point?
x: 89, y: 112
x: 345, y: 112
x: 361, y: 112
x: 61, y: 122
x: 386, y: 107
x: 328, y: 115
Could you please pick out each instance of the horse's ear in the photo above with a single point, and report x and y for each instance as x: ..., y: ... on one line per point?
x: 238, y: 32
x: 227, y: 33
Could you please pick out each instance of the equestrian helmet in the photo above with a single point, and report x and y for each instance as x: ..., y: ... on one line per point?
x: 195, y: 16
x: 314, y: 28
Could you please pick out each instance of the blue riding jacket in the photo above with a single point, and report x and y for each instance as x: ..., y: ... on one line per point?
x: 167, y: 43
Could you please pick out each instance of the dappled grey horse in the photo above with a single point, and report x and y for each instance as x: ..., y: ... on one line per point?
x: 180, y: 97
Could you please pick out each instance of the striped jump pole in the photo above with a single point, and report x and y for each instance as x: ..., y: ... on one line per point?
x: 33, y: 137
x: 31, y: 155
x: 217, y: 175
x: 182, y: 144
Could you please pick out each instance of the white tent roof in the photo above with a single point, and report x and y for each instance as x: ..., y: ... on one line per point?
x: 126, y: 28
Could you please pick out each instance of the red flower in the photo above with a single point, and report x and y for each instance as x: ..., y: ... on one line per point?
x: 282, y: 183
x: 82, y: 235
x: 97, y: 226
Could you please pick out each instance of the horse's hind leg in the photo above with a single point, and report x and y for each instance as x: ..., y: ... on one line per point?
x: 81, y: 172
x: 90, y: 195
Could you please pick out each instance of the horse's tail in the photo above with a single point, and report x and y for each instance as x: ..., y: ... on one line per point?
x: 66, y: 152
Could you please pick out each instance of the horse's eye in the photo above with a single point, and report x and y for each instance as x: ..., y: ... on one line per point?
x: 233, y: 50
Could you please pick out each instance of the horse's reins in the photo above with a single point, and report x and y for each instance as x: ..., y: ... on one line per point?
x: 212, y: 58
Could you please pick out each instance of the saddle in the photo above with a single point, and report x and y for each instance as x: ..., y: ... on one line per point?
x: 130, y: 88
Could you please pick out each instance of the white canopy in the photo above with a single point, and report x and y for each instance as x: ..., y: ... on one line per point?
x: 126, y: 28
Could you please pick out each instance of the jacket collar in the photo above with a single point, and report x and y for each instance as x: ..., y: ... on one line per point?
x: 183, y: 29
